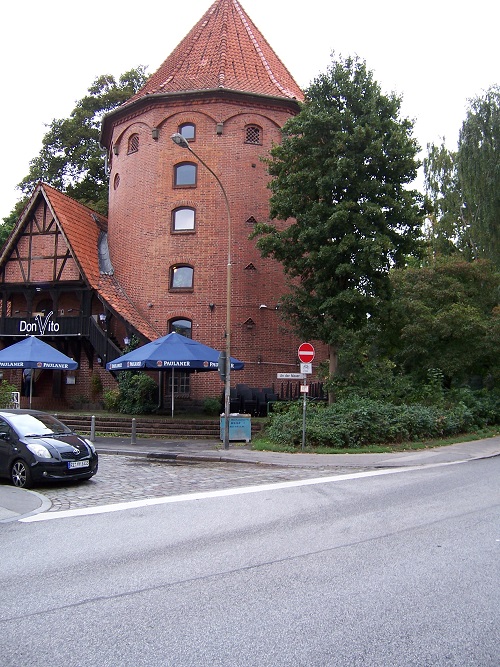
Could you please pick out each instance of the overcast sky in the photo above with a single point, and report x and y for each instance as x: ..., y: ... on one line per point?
x: 436, y: 54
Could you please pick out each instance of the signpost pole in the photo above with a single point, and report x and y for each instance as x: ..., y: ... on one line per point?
x: 306, y: 355
x: 304, y: 417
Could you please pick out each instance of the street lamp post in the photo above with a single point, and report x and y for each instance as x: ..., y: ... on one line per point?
x: 181, y: 141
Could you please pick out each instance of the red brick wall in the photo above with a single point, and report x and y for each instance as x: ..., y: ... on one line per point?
x: 143, y: 248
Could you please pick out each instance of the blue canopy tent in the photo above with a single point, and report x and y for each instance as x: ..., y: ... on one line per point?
x: 33, y: 353
x: 171, y: 352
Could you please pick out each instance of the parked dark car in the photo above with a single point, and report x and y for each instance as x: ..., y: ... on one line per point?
x: 36, y: 447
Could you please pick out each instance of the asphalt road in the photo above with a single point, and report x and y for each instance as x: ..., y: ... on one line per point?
x: 396, y: 569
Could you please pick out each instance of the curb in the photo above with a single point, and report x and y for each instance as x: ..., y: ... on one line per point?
x: 44, y: 504
x: 172, y: 456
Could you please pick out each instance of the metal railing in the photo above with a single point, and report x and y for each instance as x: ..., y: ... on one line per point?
x: 104, y: 347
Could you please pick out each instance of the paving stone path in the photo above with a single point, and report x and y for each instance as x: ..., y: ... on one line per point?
x: 125, y: 478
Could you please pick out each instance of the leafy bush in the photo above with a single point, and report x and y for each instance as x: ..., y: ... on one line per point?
x: 373, y: 378
x: 112, y: 400
x: 357, y: 422
x: 6, y: 390
x: 212, y: 406
x: 137, y: 393
x: 95, y: 386
x: 430, y: 392
x: 484, y: 404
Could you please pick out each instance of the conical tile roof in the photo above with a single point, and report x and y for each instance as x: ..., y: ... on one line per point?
x: 224, y: 50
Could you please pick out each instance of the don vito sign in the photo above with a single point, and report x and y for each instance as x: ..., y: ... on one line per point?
x: 40, y: 327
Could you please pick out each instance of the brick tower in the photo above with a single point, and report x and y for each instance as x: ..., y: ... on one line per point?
x: 228, y: 94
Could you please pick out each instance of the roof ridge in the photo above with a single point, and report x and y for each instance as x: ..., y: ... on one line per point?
x: 248, y: 28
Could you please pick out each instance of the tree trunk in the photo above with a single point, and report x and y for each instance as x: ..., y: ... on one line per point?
x: 332, y: 369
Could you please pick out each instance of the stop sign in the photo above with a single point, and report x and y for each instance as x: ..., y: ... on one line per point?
x: 306, y: 353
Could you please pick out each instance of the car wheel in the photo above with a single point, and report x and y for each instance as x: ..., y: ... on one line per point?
x: 20, y: 475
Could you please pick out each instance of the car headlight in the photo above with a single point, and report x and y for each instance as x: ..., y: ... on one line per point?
x: 40, y: 451
x: 91, y: 445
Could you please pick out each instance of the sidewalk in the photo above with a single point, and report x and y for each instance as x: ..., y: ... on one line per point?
x: 15, y: 503
x: 212, y: 450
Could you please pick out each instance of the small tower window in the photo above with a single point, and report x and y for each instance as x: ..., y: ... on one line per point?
x: 188, y: 131
x: 133, y: 144
x: 181, y: 277
x: 183, y: 219
x: 185, y: 175
x: 253, y: 134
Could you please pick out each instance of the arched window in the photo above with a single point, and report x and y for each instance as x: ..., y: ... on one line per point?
x: 181, y: 326
x: 185, y: 175
x: 253, y: 134
x: 181, y: 277
x: 183, y: 219
x: 188, y: 131
x: 181, y: 378
x: 133, y: 144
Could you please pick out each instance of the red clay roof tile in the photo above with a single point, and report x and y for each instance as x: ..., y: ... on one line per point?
x: 223, y: 50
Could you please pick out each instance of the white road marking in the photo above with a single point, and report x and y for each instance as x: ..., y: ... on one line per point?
x: 148, y: 502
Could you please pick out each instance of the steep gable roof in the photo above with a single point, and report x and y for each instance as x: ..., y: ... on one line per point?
x: 77, y: 225
x: 224, y: 50
x: 82, y: 229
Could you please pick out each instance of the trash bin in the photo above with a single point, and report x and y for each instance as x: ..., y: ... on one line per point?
x: 240, y: 427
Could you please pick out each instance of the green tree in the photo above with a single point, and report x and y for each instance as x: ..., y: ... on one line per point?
x: 71, y: 158
x: 342, y: 173
x: 447, y: 317
x: 9, y: 222
x: 479, y: 172
x: 447, y: 230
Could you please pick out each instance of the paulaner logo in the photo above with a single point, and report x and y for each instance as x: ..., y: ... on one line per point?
x: 40, y: 325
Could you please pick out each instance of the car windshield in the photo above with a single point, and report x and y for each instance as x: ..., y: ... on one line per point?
x: 42, y: 424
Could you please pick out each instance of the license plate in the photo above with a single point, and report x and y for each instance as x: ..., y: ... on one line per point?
x: 78, y: 464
